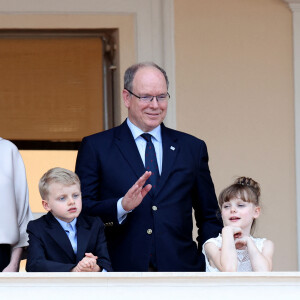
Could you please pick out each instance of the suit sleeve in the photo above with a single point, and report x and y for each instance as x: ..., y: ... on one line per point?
x: 88, y: 168
x: 101, y: 249
x: 36, y: 259
x: 205, y: 204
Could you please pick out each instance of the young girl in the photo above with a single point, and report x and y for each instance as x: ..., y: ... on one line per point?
x: 235, y: 250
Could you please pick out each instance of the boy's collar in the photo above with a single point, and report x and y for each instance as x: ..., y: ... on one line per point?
x: 66, y: 225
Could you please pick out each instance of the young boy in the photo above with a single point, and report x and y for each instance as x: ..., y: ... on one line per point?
x: 63, y: 240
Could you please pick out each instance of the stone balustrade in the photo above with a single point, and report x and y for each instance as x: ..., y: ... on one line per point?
x: 154, y: 286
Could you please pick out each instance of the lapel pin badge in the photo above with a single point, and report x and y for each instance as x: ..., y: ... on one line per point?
x: 172, y: 148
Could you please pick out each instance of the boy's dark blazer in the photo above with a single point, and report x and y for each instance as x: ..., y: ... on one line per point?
x: 50, y: 249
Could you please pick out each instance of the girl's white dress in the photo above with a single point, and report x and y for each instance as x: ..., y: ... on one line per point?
x: 244, y: 264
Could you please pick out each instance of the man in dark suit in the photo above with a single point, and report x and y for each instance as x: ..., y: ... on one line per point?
x: 149, y: 219
x: 63, y: 240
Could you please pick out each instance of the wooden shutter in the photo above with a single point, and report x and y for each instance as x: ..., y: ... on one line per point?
x: 50, y: 88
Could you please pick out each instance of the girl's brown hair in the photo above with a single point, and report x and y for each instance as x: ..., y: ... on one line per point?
x: 244, y: 188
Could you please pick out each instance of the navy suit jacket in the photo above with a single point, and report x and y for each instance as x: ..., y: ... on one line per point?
x: 109, y: 163
x: 50, y: 249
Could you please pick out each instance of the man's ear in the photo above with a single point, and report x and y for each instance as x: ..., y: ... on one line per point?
x: 256, y: 212
x: 126, y: 98
x: 46, y: 205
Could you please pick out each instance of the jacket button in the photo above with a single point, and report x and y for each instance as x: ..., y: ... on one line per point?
x: 149, y: 231
x: 154, y: 207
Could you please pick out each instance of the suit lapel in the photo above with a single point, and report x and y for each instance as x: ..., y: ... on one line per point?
x: 60, y: 237
x: 170, y: 151
x: 83, y: 237
x: 127, y: 146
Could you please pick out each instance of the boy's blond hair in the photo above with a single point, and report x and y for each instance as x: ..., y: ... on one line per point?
x: 58, y: 175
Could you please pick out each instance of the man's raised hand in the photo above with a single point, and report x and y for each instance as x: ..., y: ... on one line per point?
x: 136, y: 193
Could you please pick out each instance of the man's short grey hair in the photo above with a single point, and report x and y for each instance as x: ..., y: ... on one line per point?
x: 131, y: 71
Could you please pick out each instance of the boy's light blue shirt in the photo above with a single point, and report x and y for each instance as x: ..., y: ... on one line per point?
x: 71, y: 230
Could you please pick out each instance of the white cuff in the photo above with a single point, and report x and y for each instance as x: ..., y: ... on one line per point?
x: 122, y: 213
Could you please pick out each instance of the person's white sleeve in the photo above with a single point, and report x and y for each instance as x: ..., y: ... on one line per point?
x: 21, y: 197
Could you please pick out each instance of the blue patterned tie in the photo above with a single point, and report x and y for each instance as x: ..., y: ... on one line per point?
x: 151, y: 165
x: 151, y: 161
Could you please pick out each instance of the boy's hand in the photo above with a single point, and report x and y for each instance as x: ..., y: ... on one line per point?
x: 96, y: 268
x: 87, y: 264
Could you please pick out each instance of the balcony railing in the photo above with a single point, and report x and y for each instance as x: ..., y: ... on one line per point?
x: 154, y: 286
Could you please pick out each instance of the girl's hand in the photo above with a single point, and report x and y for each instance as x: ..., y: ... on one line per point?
x: 240, y: 243
x: 235, y: 231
